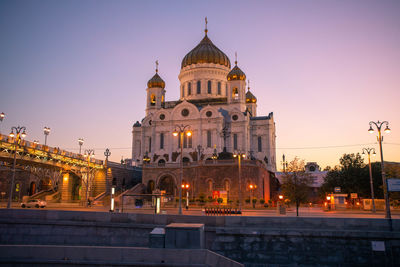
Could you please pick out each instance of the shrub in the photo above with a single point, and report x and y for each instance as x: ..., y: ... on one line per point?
x: 220, y: 200
x: 262, y: 201
x: 247, y: 200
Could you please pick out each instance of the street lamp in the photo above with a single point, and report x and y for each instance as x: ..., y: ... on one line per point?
x: 80, y: 142
x: 378, y: 126
x: 368, y: 151
x: 181, y: 130
x: 215, y: 154
x: 46, y: 131
x: 200, y: 150
x: 146, y: 158
x: 20, y: 133
x: 252, y: 187
x: 239, y: 155
x: 186, y: 187
x: 88, y: 153
x: 2, y: 116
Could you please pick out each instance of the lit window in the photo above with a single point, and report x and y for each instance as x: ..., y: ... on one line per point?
x: 153, y: 100
x: 235, y: 93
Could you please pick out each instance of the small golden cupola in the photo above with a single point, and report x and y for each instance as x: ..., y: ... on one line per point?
x: 236, y: 73
x: 156, y: 80
x: 250, y: 98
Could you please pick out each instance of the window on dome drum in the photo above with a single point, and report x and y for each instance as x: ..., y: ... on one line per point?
x: 209, y: 87
x: 208, y: 138
x: 161, y: 140
x: 219, y: 88
x: 235, y: 93
x: 183, y: 90
x: 235, y: 143
x: 198, y: 87
x: 259, y: 144
x: 153, y: 100
x: 189, y: 88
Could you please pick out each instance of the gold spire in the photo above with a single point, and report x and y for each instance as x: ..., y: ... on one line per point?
x: 156, y: 66
x: 248, y: 85
x: 235, y: 58
x: 206, y: 26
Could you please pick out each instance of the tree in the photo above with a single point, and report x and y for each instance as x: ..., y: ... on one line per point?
x: 352, y: 176
x: 297, y: 183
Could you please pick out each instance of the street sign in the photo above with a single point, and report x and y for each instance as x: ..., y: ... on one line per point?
x: 393, y: 184
x: 337, y: 189
x: 353, y: 195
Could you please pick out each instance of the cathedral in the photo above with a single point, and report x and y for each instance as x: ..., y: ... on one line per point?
x: 214, y: 105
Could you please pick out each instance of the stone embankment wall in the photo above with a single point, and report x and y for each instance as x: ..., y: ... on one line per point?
x: 254, y: 241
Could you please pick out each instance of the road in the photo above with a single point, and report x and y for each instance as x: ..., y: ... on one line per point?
x: 291, y: 212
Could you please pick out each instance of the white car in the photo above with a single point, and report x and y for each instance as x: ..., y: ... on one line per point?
x: 34, y: 203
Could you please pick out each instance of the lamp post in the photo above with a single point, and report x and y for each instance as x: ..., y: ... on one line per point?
x: 252, y: 187
x: 88, y: 154
x: 20, y: 133
x: 239, y: 155
x: 186, y: 187
x: 368, y: 151
x: 181, y: 130
x: 146, y: 158
x: 80, y: 142
x: 215, y: 154
x: 2, y: 116
x: 378, y: 126
x: 200, y: 150
x: 46, y: 131
x: 107, y: 153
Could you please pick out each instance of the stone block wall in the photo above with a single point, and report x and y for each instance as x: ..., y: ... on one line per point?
x: 254, y: 241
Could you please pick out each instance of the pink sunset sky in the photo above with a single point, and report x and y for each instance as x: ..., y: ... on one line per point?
x: 325, y: 68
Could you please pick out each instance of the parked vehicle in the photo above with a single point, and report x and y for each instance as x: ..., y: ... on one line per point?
x: 34, y: 203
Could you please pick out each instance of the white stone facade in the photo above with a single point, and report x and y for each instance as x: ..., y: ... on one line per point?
x: 208, y: 102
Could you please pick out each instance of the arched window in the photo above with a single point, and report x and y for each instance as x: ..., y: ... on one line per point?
x: 226, y: 185
x: 161, y: 140
x: 183, y: 90
x: 209, y: 87
x: 235, y: 93
x: 259, y: 144
x: 208, y: 138
x: 219, y: 88
x: 185, y: 159
x: 210, y: 185
x: 153, y: 100
x: 189, y: 88
x: 198, y: 87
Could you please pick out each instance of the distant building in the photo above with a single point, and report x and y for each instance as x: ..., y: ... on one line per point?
x: 317, y: 176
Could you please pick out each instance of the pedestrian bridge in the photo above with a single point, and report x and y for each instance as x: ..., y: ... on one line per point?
x: 57, y: 168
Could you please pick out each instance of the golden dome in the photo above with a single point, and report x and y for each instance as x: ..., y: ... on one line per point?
x: 156, y: 81
x: 236, y: 74
x: 206, y: 52
x: 250, y: 98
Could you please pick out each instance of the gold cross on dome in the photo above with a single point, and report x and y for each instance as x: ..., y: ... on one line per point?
x: 156, y: 65
x: 206, y: 25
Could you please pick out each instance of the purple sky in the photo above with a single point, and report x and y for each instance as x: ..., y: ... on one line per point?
x: 325, y: 68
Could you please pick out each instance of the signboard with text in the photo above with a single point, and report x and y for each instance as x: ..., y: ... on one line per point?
x: 353, y: 195
x: 393, y: 184
x: 337, y: 189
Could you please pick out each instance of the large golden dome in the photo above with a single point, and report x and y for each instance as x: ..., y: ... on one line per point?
x: 206, y: 52
x: 156, y: 81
